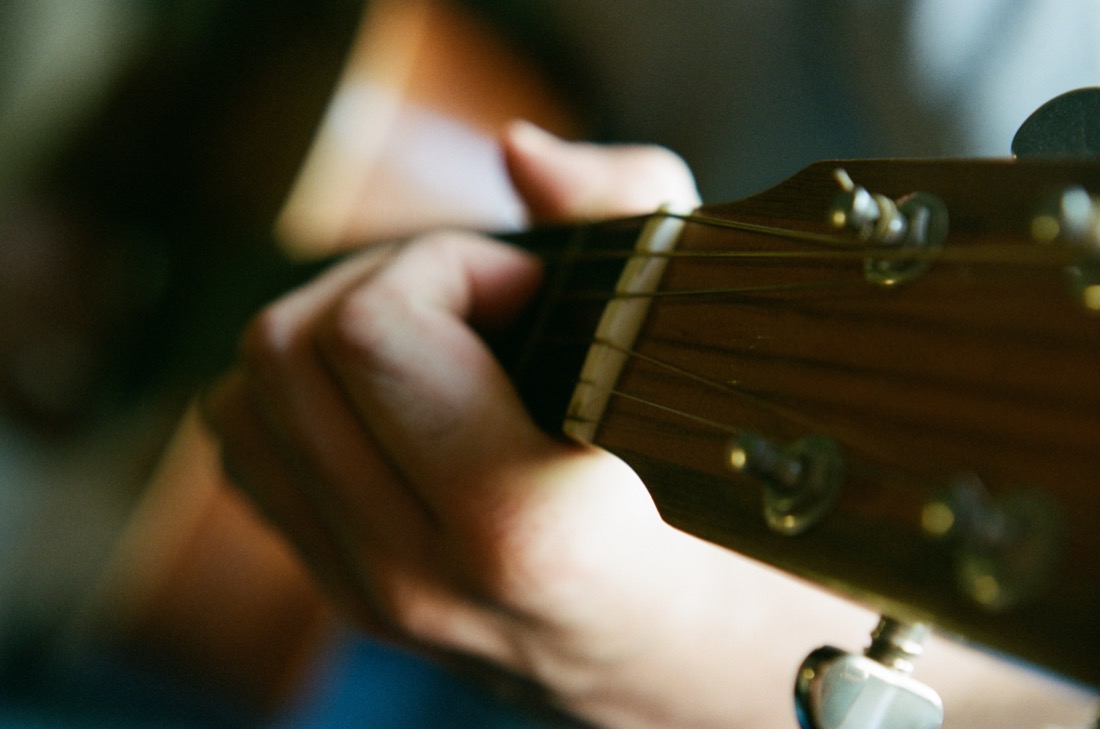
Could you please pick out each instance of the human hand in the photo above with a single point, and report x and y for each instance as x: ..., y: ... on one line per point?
x: 371, y: 425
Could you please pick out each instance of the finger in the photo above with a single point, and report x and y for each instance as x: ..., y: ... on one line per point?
x: 362, y: 499
x: 422, y: 380
x: 386, y: 595
x: 418, y: 605
x: 561, y: 181
x: 254, y: 462
x: 367, y: 583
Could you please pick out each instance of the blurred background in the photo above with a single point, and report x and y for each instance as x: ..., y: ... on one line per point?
x: 151, y: 150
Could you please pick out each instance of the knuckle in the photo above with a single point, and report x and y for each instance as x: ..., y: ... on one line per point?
x: 417, y: 617
x: 268, y: 341
x: 361, y: 322
x: 356, y: 325
x: 444, y: 243
x: 447, y: 250
x: 412, y: 610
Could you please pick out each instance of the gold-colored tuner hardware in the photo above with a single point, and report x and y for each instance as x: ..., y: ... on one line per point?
x: 1006, y: 548
x: 906, y: 233
x: 801, y: 480
x: 1072, y: 219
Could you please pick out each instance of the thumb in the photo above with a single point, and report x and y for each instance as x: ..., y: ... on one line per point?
x: 562, y: 181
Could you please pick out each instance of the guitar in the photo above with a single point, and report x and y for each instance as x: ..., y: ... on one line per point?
x: 916, y: 425
x: 939, y: 397
x: 913, y: 424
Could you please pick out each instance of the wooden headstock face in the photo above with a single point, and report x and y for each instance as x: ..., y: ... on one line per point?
x: 963, y: 398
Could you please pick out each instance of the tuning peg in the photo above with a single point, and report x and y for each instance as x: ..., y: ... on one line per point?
x: 907, y: 232
x: 1007, y: 548
x: 801, y: 480
x: 838, y: 690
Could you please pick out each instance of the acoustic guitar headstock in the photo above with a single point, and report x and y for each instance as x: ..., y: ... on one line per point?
x: 881, y: 376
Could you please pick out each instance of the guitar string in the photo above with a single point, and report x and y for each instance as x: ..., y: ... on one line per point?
x: 977, y: 254
x: 808, y: 360
x: 576, y: 253
x: 875, y: 461
x: 769, y: 230
x: 724, y: 428
x: 711, y: 383
x: 789, y: 414
x: 894, y: 477
x: 958, y: 255
x: 842, y: 248
x: 1053, y: 254
x: 600, y: 295
x: 809, y: 425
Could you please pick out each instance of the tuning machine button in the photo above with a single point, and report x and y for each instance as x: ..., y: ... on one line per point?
x: 839, y: 690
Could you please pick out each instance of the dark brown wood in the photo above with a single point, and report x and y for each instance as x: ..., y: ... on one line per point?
x: 985, y: 365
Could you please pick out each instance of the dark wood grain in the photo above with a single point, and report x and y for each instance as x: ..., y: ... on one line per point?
x: 985, y: 365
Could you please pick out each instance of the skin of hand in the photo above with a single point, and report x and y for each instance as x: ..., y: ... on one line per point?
x: 370, y: 424
x: 368, y: 421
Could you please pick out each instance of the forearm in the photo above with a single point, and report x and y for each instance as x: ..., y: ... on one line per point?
x: 724, y: 637
x: 729, y: 635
